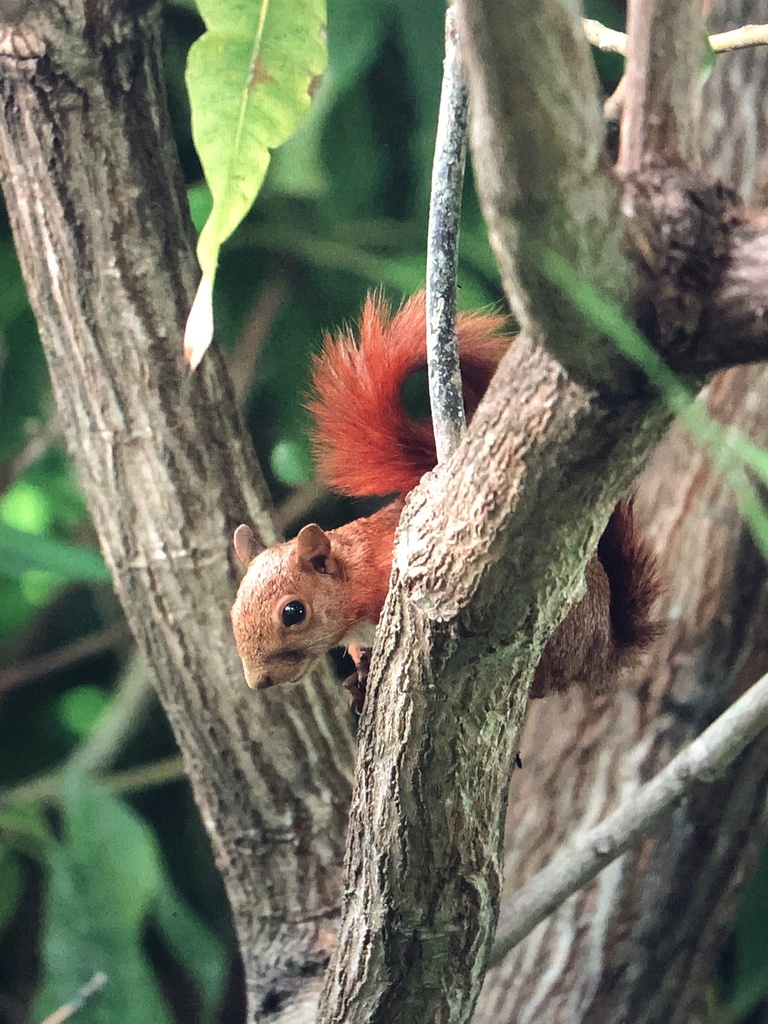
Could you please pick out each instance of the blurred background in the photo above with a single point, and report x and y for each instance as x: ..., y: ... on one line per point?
x: 343, y: 210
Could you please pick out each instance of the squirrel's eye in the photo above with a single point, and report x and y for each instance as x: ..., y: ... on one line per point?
x: 293, y: 613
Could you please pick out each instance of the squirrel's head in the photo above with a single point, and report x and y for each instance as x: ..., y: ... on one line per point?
x: 289, y: 610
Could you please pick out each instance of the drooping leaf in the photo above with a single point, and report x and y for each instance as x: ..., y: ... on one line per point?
x: 193, y: 946
x: 249, y: 78
x: 106, y: 881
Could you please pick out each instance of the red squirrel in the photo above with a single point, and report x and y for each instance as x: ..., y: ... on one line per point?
x: 327, y: 589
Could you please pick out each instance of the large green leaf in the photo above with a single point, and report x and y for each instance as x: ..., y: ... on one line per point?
x: 193, y: 946
x: 249, y: 78
x: 105, y: 882
x: 355, y: 32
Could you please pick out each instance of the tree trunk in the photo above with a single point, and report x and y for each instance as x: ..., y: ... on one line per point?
x: 641, y: 942
x: 100, y: 219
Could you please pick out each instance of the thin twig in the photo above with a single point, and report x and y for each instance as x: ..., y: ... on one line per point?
x: 739, y: 38
x: 242, y: 362
x: 121, y: 721
x: 299, y: 503
x: 47, y: 788
x: 611, y: 40
x: 577, y: 863
x: 63, y: 657
x: 147, y: 776
x: 445, y: 392
x: 86, y: 993
x: 43, y: 437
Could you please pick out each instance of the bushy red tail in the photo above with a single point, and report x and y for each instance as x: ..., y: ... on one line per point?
x: 365, y: 442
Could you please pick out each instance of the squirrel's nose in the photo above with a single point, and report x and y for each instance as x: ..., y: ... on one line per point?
x: 257, y: 680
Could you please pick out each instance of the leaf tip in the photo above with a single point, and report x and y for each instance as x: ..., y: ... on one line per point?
x: 198, y: 333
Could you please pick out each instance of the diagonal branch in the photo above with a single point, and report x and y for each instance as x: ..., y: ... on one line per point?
x: 493, y: 545
x: 577, y: 863
x: 455, y: 652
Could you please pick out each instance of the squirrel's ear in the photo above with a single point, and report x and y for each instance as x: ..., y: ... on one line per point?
x: 313, y: 546
x: 246, y: 545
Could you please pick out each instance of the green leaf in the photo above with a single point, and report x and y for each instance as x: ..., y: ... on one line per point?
x: 106, y: 881
x: 249, y: 78
x: 24, y: 506
x: 81, y: 707
x: 194, y: 947
x: 102, y: 877
x: 21, y: 552
x: 11, y: 886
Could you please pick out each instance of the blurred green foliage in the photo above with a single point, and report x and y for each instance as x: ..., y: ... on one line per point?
x: 121, y: 879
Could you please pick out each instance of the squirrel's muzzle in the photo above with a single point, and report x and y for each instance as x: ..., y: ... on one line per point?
x: 258, y: 680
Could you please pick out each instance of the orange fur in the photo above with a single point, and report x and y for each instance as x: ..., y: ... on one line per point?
x: 367, y: 445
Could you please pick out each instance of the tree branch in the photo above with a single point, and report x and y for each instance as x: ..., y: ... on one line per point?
x: 734, y: 322
x: 612, y: 41
x: 733, y: 125
x: 547, y: 458
x: 663, y: 84
x: 543, y: 175
x: 445, y: 392
x: 442, y: 716
x: 586, y: 854
x: 86, y: 647
x: 640, y: 943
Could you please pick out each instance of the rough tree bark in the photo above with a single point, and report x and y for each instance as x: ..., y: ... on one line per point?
x: 100, y: 222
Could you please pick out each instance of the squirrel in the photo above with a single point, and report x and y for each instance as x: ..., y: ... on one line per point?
x: 322, y: 589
